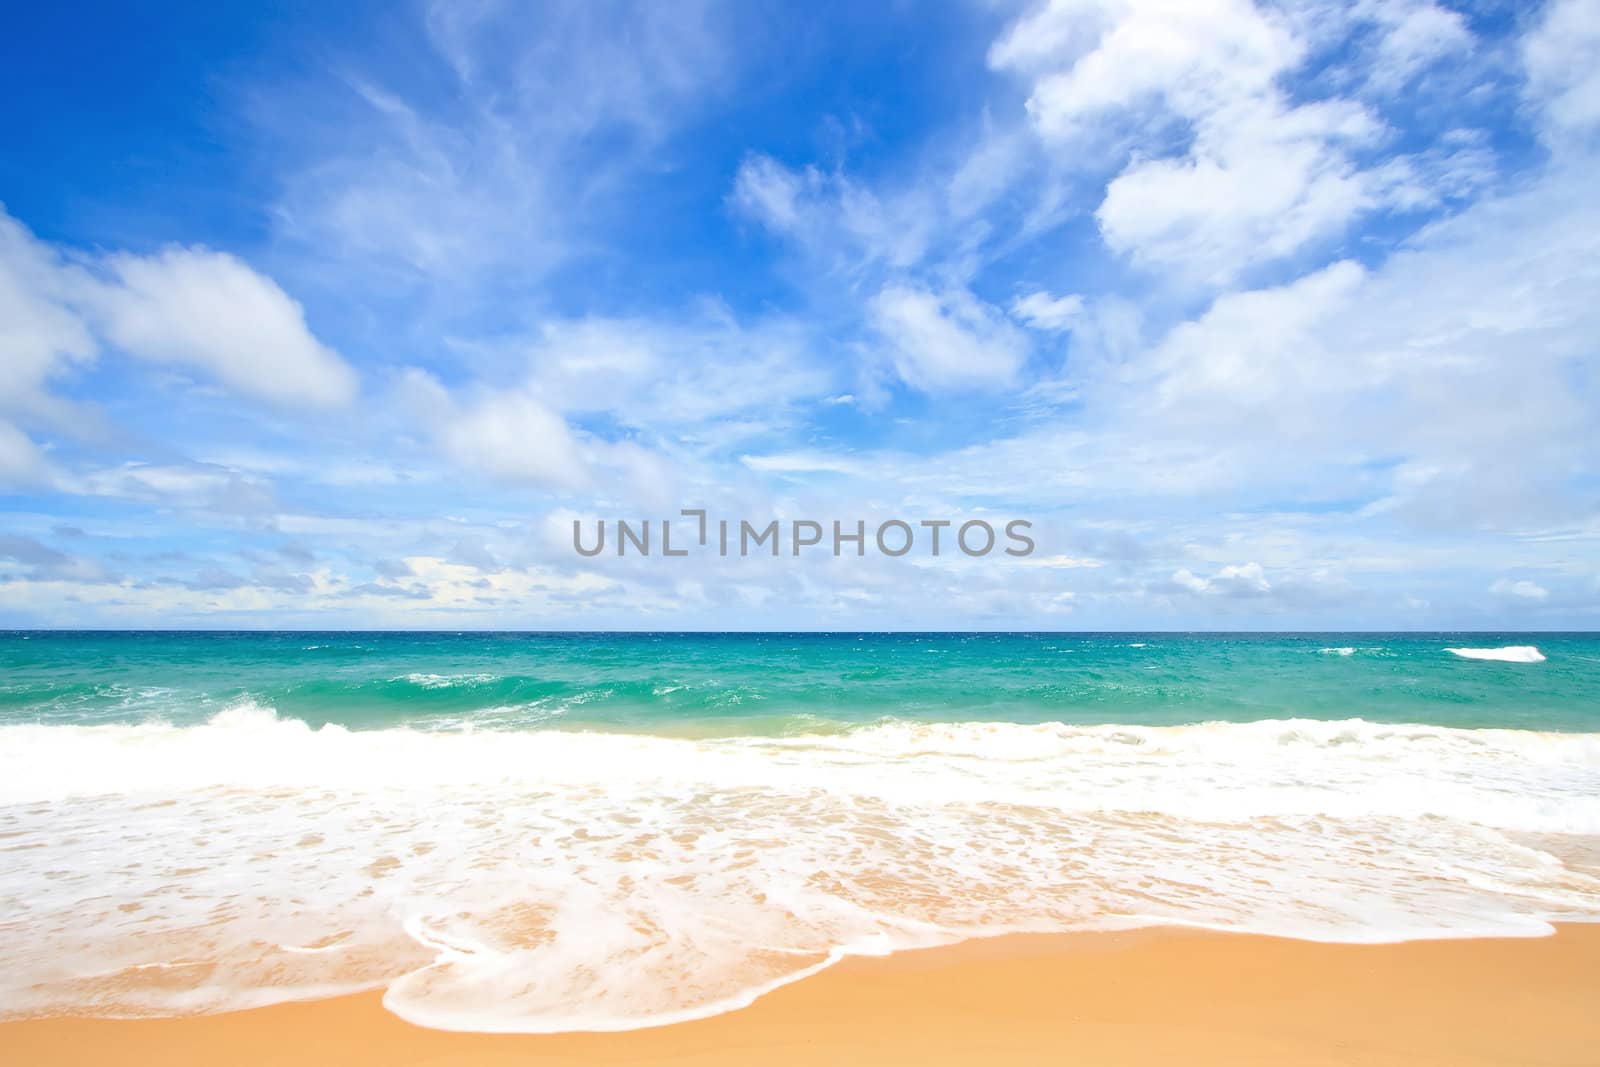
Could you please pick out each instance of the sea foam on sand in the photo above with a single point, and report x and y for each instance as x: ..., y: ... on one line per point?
x: 558, y: 880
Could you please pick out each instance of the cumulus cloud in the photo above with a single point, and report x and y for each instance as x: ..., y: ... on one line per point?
x: 191, y: 306
x: 1260, y: 184
x: 210, y: 311
x: 1258, y: 176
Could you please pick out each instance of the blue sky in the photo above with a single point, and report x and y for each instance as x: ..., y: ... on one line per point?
x: 1266, y: 315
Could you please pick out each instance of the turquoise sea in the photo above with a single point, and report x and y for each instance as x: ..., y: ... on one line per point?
x: 538, y: 832
x: 774, y: 683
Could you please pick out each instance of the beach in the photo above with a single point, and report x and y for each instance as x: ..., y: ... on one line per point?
x: 1159, y: 996
x: 701, y: 835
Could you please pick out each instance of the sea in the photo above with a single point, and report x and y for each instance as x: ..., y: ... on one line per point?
x: 540, y: 832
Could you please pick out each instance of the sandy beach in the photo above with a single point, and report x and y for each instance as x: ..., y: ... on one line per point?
x: 1145, y: 997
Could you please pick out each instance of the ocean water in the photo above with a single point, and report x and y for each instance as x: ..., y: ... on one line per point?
x: 543, y: 832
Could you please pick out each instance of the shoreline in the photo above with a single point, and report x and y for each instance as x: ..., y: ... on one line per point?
x: 1137, y: 997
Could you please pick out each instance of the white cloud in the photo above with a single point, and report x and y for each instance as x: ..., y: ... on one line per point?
x: 504, y: 434
x: 1446, y: 390
x: 1414, y: 35
x: 21, y: 461
x: 1562, y: 58
x: 701, y: 375
x: 1046, y: 312
x: 802, y: 463
x: 1260, y: 183
x: 1235, y: 580
x: 1258, y: 177
x: 770, y: 192
x: 948, y: 340
x: 846, y: 227
x: 208, y: 310
x: 1521, y: 590
x: 1060, y: 562
x: 40, y: 335
x: 617, y: 406
x: 1094, y: 59
x: 195, y: 485
x: 514, y: 437
x: 1259, y: 350
x: 190, y: 306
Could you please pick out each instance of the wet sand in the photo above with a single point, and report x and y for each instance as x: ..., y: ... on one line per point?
x: 1147, y: 997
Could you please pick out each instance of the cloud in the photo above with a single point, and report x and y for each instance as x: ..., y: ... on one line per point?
x: 43, y: 563
x: 513, y: 437
x: 947, y: 340
x: 633, y: 406
x: 28, y: 551
x: 1235, y: 580
x: 1061, y: 562
x: 802, y: 463
x: 200, y: 486
x: 210, y: 311
x: 1260, y: 184
x: 1045, y: 312
x: 1091, y: 60
x: 703, y: 373
x: 1259, y: 350
x: 1414, y: 34
x: 190, y: 306
x: 21, y: 461
x: 41, y: 337
x: 1252, y: 175
x: 509, y: 155
x: 845, y: 226
x: 1562, y: 58
x: 1520, y: 590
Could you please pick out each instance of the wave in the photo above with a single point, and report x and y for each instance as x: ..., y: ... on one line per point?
x: 556, y: 880
x: 448, y: 681
x: 1508, y: 654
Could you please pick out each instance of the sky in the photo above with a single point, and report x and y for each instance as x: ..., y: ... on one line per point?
x: 1266, y: 316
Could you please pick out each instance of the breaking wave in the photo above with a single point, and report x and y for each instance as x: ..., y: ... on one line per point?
x: 1508, y: 654
x: 550, y: 880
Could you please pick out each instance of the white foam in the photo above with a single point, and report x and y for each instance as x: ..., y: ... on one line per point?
x: 446, y: 681
x: 1345, y: 651
x: 1508, y: 654
x: 536, y: 881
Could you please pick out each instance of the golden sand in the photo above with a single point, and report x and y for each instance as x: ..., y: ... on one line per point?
x: 1150, y: 997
